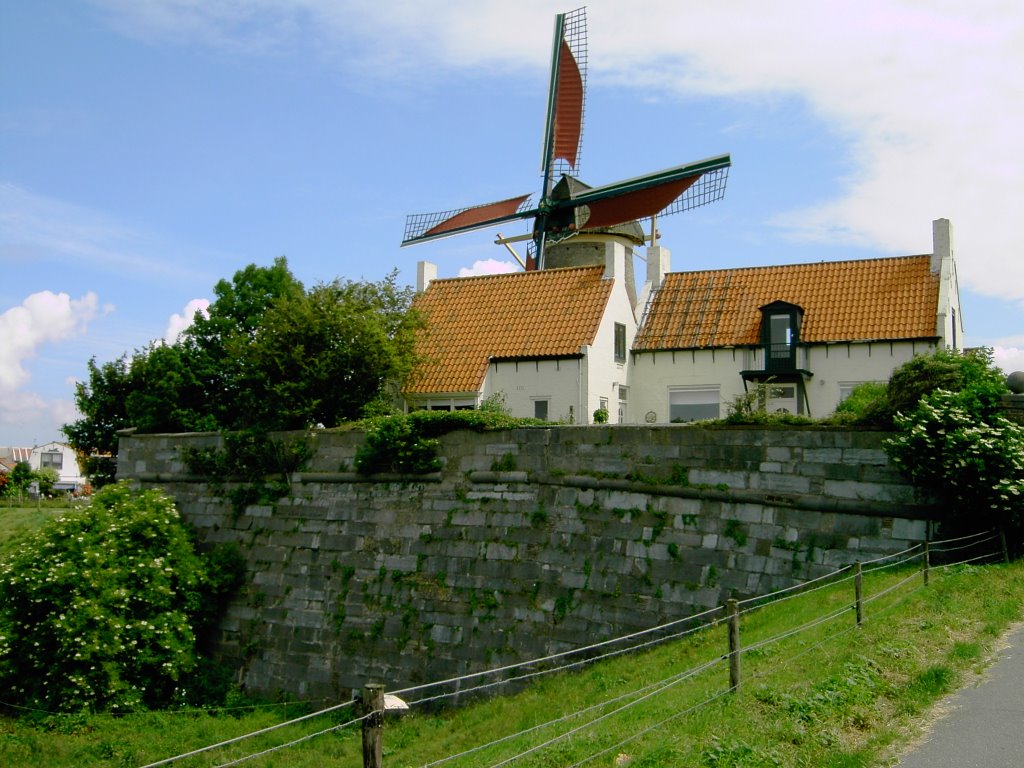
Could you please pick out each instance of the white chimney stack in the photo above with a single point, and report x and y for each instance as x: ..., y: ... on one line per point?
x: 426, y: 272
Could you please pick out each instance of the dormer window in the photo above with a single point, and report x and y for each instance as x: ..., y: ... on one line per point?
x: 780, y: 334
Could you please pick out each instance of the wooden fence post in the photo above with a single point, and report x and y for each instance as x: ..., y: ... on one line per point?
x: 373, y: 711
x: 1006, y: 550
x: 926, y: 567
x: 858, y: 590
x: 733, y: 608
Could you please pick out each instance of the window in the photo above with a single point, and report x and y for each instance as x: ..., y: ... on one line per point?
x: 623, y: 398
x: 540, y: 409
x: 620, y: 343
x: 780, y: 334
x: 51, y: 460
x: 693, y: 404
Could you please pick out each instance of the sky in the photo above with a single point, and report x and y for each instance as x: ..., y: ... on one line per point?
x: 149, y: 148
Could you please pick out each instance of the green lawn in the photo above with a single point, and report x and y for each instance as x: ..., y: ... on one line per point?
x: 831, y: 695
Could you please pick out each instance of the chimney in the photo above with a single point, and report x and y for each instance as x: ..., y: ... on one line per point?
x: 426, y: 272
x: 659, y: 262
x: 942, y: 243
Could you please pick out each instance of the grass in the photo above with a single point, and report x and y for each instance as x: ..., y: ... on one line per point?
x: 833, y: 695
x: 18, y: 521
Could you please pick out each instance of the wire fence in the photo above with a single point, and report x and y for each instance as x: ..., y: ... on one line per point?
x: 982, y: 547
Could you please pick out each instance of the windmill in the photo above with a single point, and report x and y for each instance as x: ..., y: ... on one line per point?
x: 569, y: 207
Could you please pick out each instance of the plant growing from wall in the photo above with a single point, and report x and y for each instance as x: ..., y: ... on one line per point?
x: 407, y: 443
x: 257, y: 465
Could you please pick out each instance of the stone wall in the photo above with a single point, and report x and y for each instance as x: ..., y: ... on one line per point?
x: 527, y: 542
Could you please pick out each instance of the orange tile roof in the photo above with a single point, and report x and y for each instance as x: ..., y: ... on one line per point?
x: 469, y: 320
x: 870, y: 299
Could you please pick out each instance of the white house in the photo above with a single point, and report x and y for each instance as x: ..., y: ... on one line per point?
x: 61, y: 458
x: 555, y: 342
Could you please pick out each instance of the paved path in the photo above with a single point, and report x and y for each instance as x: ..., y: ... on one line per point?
x: 984, y: 724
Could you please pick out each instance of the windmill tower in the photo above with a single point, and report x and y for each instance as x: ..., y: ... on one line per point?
x: 573, y: 222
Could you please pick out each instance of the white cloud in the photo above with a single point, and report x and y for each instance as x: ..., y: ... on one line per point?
x: 489, y: 267
x: 1010, y: 359
x: 42, y: 318
x: 178, y: 323
x: 925, y: 97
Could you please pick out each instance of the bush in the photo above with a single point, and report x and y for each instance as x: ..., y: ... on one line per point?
x: 952, y: 441
x: 977, y: 382
x: 407, y: 443
x: 867, y: 404
x: 102, y: 607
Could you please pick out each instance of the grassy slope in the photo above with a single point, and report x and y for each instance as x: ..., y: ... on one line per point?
x: 830, y: 696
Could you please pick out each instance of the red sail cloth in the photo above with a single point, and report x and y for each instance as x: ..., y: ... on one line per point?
x: 479, y: 215
x: 633, y: 205
x: 568, y: 107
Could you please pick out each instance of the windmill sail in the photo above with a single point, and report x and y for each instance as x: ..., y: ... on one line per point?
x: 568, y: 123
x: 674, y: 189
x: 563, y: 129
x: 432, y: 226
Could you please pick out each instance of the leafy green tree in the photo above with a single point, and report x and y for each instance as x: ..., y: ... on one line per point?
x: 21, y: 476
x: 102, y: 401
x: 972, y: 375
x: 167, y: 393
x: 323, y: 356
x: 268, y: 355
x: 102, y: 608
x: 46, y: 478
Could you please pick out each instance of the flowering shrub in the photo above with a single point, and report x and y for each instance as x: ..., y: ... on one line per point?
x: 102, y: 607
x: 975, y: 467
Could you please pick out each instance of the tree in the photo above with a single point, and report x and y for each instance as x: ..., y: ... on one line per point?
x: 21, y: 476
x: 323, y: 356
x: 268, y: 355
x: 46, y: 478
x: 102, y: 401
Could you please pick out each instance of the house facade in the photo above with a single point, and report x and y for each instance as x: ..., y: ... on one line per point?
x: 61, y: 458
x: 553, y: 344
x: 562, y: 343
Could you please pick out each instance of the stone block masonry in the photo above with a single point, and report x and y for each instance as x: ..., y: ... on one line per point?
x: 589, y: 533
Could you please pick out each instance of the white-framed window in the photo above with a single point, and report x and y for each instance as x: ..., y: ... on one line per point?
x: 623, y: 404
x: 620, y: 343
x: 693, y: 403
x: 51, y: 460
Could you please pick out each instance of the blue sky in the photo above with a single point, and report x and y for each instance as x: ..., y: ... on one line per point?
x: 149, y: 148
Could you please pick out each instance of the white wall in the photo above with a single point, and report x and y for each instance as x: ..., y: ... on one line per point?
x: 653, y: 374
x: 523, y: 382
x: 69, y: 473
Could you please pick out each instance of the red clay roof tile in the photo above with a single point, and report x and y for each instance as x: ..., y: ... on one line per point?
x: 470, y: 320
x: 870, y: 299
